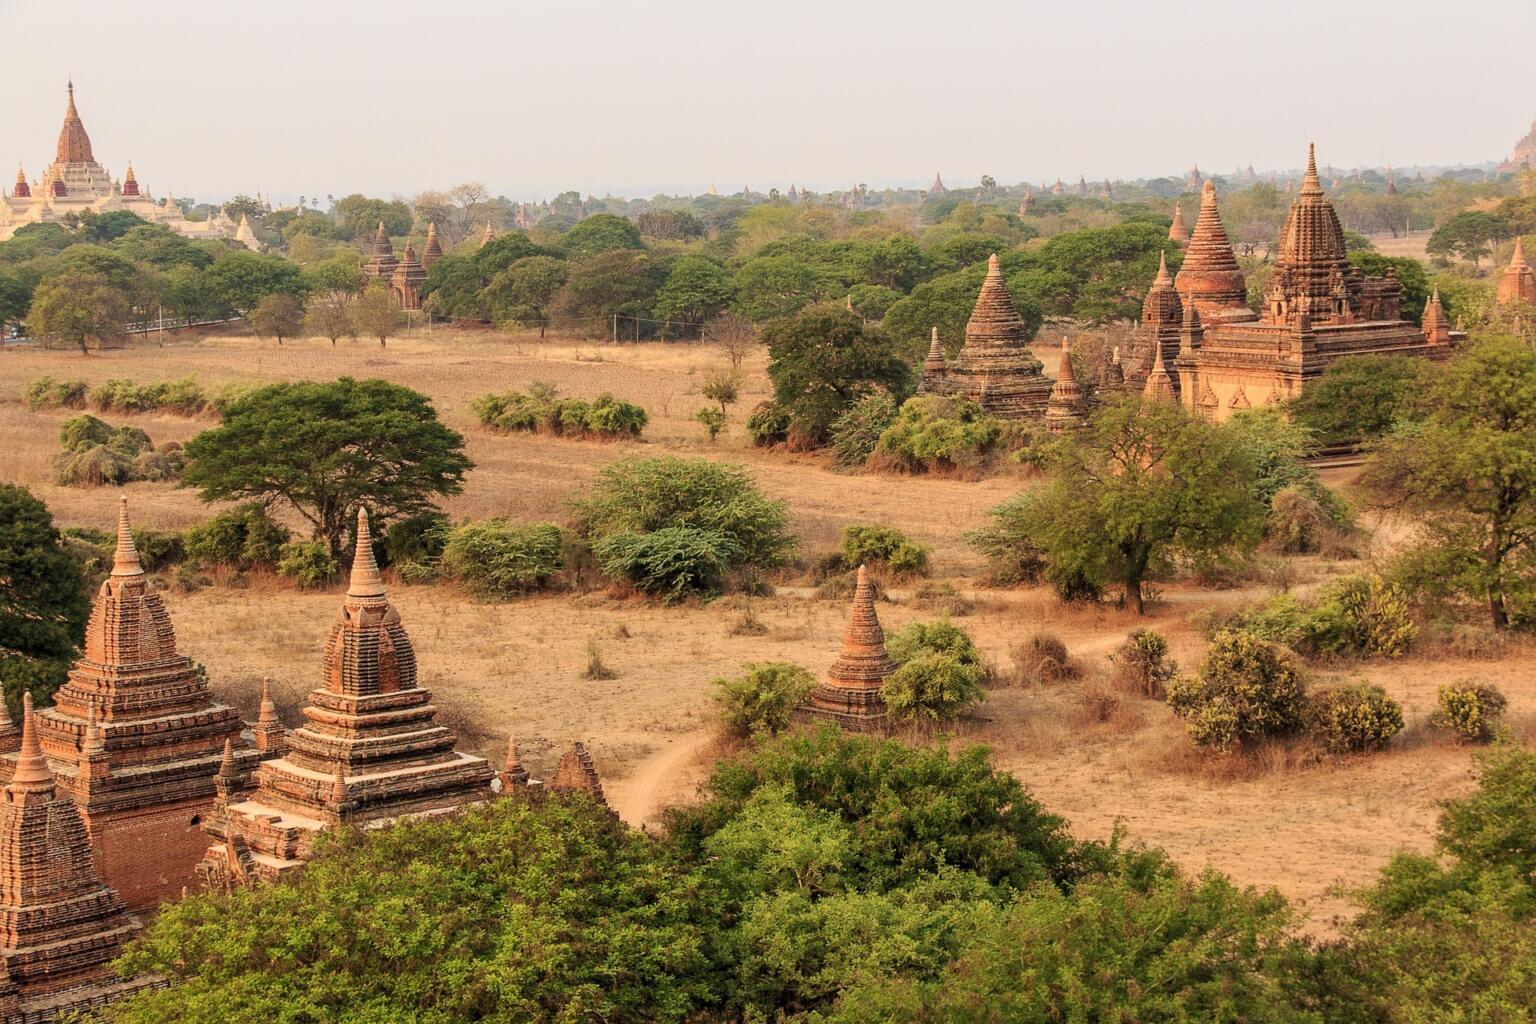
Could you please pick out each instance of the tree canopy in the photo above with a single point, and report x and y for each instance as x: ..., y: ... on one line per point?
x: 43, y: 605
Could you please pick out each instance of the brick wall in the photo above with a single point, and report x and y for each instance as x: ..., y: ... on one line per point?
x: 150, y: 855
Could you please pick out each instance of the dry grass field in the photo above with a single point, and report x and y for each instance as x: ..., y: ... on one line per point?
x: 516, y: 667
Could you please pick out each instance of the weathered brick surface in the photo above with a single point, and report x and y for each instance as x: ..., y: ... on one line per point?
x: 851, y: 696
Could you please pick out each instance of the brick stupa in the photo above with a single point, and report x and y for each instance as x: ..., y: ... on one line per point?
x: 432, y: 249
x: 369, y: 751
x: 1518, y: 282
x: 381, y: 262
x: 1177, y: 232
x: 134, y: 738
x: 60, y: 925
x: 1068, y: 405
x: 995, y: 367
x: 851, y: 696
x: 576, y: 774
x: 407, y: 280
x: 1209, y: 275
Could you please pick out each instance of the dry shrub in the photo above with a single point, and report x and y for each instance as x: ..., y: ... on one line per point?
x: 1042, y: 660
x: 1471, y: 641
x: 1098, y: 704
x: 840, y: 587
x: 1299, y: 524
x: 942, y: 597
x: 1142, y: 665
x: 596, y: 668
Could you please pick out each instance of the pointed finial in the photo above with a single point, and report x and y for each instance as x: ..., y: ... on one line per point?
x: 268, y: 708
x: 125, y: 560
x: 32, y: 773
x: 1163, y: 277
x: 339, y: 785
x: 227, y: 769
x: 1519, y: 254
x: 94, y: 744
x: 365, y: 581
x: 992, y: 265
x: 1310, y: 180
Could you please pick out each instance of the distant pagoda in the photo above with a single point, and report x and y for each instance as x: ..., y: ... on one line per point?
x: 1177, y: 232
x: 369, y: 751
x: 407, y: 280
x: 432, y: 250
x: 60, y: 925
x: 995, y: 367
x: 1209, y: 276
x: 577, y: 774
x: 937, y: 188
x: 1517, y: 283
x: 850, y: 696
x: 1068, y: 403
x: 381, y: 262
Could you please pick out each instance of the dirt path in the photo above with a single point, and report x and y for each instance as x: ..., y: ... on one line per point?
x: 637, y: 797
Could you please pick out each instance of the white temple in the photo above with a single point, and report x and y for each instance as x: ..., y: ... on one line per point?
x: 76, y: 183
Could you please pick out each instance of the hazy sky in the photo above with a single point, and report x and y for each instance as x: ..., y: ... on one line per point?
x: 334, y: 96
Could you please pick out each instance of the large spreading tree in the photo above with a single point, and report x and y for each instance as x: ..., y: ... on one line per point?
x: 43, y: 605
x: 822, y: 362
x: 327, y: 448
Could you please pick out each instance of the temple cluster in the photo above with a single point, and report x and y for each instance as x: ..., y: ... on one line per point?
x: 138, y: 785
x: 404, y: 276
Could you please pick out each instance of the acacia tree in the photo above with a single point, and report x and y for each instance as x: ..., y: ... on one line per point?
x: 1466, y: 471
x: 278, y: 315
x: 80, y: 308
x: 327, y: 448
x: 1143, y: 484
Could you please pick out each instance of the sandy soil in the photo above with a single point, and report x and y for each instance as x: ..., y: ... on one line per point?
x: 515, y: 668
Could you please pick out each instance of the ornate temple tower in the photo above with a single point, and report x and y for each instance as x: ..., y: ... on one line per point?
x: 407, y: 280
x: 1312, y: 269
x: 1177, y: 232
x: 74, y: 171
x: 937, y: 188
x: 432, y: 250
x: 1162, y: 311
x: 1159, y: 385
x: 850, y: 696
x: 995, y: 367
x: 931, y: 381
x: 21, y: 190
x: 1209, y: 276
x: 134, y: 738
x: 1436, y: 325
x: 1518, y: 281
x: 381, y: 263
x: 1068, y: 404
x: 60, y: 925
x: 369, y: 751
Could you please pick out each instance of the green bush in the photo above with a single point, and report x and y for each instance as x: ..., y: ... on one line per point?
x: 762, y: 701
x: 1247, y: 690
x: 712, y: 420
x: 82, y: 432
x: 243, y: 537
x: 768, y: 425
x: 228, y: 394
x: 1469, y: 712
x: 718, y: 521
x: 670, y: 563
x: 419, y: 538
x: 1353, y: 717
x: 499, y: 560
x: 309, y: 562
x: 1142, y: 665
x: 47, y: 393
x: 184, y: 397
x: 541, y: 409
x: 1363, y: 616
x: 933, y: 686
x: 1358, y: 397
x: 158, y: 548
x: 934, y: 432
x: 940, y: 637
x: 883, y: 547
x: 1012, y: 550
x: 856, y: 432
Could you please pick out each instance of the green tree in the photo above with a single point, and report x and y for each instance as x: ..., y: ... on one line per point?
x: 620, y: 284
x: 525, y: 289
x: 600, y: 233
x: 1143, y: 484
x: 1468, y: 235
x: 696, y: 289
x: 358, y: 217
x: 376, y: 313
x: 242, y: 279
x: 1467, y: 472
x: 337, y: 273
x: 1358, y: 397
x: 79, y: 308
x: 109, y: 226
x: 774, y: 286
x: 277, y: 316
x: 1410, y: 272
x: 822, y: 362
x: 43, y: 605
x: 328, y: 448
x: 536, y: 909
x: 946, y: 303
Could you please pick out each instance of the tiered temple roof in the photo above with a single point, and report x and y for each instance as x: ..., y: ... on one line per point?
x: 369, y: 751
x: 1068, y: 403
x: 937, y: 188
x: 1518, y: 281
x: 1159, y: 385
x: 1209, y: 276
x: 1162, y: 311
x: 60, y: 925
x: 246, y: 236
x: 851, y: 696
x: 381, y: 263
x: 432, y: 249
x: 1311, y: 264
x: 994, y: 366
x: 135, y: 733
x: 407, y: 280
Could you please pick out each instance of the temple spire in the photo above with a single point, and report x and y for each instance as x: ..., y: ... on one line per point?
x: 1309, y: 181
x: 365, y: 581
x: 1163, y: 279
x: 32, y: 776
x: 125, y: 560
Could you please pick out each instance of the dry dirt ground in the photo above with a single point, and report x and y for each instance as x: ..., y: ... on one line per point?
x: 516, y: 667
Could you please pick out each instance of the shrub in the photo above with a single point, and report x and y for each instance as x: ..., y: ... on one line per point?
x: 935, y: 432
x: 499, y: 560
x: 1469, y: 712
x: 183, y: 397
x: 1299, y: 524
x: 228, y: 394
x: 712, y: 420
x: 243, y: 537
x: 597, y: 669
x: 856, y: 432
x: 165, y: 464
x: 541, y: 409
x: 768, y: 425
x: 1042, y: 660
x: 157, y: 548
x: 1352, y: 615
x: 670, y: 563
x: 1353, y: 717
x: 762, y: 701
x: 883, y: 547
x: 715, y: 520
x: 1012, y: 551
x: 418, y: 538
x: 47, y: 393
x: 933, y: 686
x: 82, y: 432
x: 92, y: 467
x: 1247, y: 690
x: 1142, y: 665
x: 939, y: 637
x: 942, y: 597
x: 309, y: 562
